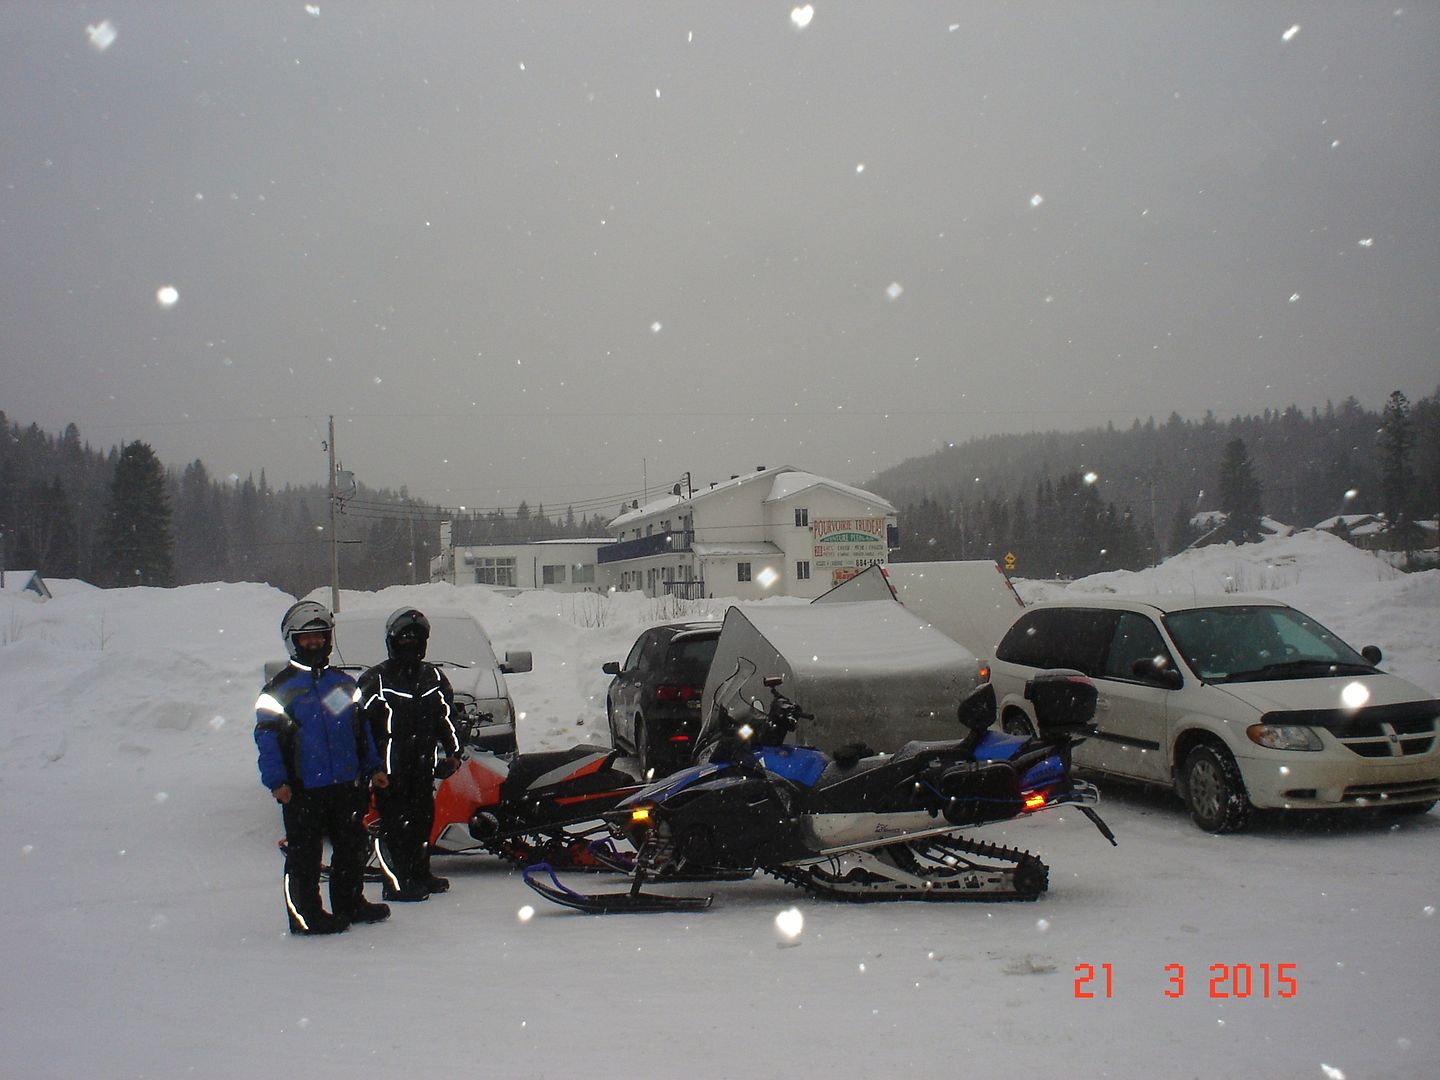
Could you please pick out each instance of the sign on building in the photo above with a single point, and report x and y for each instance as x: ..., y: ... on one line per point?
x: 845, y: 546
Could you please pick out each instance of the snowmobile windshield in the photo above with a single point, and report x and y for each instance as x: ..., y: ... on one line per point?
x: 731, y: 708
x: 1260, y: 644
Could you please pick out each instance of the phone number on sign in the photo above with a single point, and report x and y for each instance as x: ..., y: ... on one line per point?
x: 1225, y: 981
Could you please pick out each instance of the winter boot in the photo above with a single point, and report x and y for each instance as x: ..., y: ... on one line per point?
x: 364, y: 911
x: 317, y: 922
x: 410, y: 894
x: 437, y: 884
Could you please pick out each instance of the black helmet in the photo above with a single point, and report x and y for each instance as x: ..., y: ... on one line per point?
x: 308, y: 617
x: 407, y: 632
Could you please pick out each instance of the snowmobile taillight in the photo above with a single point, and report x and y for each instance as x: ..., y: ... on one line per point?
x: 1034, y: 800
x: 680, y: 738
x: 671, y: 692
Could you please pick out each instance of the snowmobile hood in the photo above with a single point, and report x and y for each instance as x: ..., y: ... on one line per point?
x: 677, y: 781
x: 1348, y: 692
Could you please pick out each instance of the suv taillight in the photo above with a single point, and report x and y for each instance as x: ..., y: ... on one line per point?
x: 671, y: 692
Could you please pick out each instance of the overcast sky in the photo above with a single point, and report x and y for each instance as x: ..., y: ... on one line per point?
x: 560, y: 251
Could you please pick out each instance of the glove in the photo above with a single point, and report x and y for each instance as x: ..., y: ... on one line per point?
x: 446, y: 767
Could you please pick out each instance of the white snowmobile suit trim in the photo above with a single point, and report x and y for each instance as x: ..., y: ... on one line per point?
x: 390, y: 876
x: 294, y: 911
x: 384, y: 693
x: 266, y: 703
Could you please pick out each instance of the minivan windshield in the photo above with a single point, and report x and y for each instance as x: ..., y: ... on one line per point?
x: 454, y: 639
x: 1260, y: 643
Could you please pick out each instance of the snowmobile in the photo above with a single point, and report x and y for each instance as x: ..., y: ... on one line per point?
x: 541, y: 806
x: 853, y: 825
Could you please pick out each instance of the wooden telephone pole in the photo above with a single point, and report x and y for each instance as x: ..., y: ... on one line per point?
x: 334, y: 529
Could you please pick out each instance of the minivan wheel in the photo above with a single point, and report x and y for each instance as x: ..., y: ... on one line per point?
x: 1215, y: 790
x: 1016, y: 722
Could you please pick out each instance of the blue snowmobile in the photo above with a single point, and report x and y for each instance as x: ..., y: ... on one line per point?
x: 853, y: 825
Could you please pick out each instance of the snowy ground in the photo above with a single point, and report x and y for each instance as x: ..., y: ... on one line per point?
x: 143, y: 935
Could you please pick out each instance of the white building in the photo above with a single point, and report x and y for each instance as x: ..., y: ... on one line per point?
x: 772, y: 532
x: 560, y: 565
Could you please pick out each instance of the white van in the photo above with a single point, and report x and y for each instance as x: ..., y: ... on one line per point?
x: 1235, y: 701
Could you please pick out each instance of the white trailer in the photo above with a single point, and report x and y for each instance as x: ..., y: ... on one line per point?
x: 871, y: 671
x: 969, y: 601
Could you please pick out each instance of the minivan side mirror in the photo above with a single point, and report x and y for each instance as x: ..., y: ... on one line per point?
x: 1154, y: 670
x: 517, y: 661
x: 611, y: 667
x: 1372, y: 653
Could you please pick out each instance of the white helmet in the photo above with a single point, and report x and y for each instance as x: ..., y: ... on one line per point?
x: 308, y: 617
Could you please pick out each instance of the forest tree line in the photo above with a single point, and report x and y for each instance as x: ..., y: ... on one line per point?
x: 1063, y: 504
x: 1074, y: 503
x: 119, y: 517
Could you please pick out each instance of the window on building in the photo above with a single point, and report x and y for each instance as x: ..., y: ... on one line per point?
x: 742, y: 571
x: 802, y: 570
x: 553, y: 575
x: 583, y: 574
x: 802, y: 517
x: 495, y: 572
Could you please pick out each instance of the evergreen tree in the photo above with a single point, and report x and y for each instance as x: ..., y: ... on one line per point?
x: 136, y: 532
x: 1239, y: 496
x: 1397, y: 474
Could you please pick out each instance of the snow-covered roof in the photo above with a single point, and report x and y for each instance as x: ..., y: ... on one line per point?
x: 24, y: 583
x: 670, y: 501
x: 788, y: 481
x: 758, y: 547
x: 1210, y: 519
x: 793, y: 483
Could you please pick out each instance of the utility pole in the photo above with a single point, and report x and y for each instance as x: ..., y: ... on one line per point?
x: 334, y: 529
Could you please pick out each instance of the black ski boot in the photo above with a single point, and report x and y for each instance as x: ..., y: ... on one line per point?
x: 317, y: 922
x: 438, y: 884
x: 365, y: 912
x: 410, y: 894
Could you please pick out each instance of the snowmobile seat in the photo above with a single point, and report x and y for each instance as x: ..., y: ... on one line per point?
x: 525, y: 769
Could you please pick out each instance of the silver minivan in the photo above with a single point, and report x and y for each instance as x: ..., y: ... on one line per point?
x: 1236, y: 702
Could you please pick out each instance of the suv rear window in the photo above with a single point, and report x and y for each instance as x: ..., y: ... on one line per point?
x: 691, y: 654
x: 1060, y: 638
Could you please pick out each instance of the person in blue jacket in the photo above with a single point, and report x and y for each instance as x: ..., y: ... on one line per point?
x: 315, y: 758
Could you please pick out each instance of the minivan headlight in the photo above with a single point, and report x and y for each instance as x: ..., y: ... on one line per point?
x: 1284, y: 736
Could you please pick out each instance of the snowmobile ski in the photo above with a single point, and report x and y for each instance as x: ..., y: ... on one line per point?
x: 632, y: 900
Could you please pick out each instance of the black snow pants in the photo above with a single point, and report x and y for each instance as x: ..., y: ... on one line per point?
x: 311, y: 817
x: 407, y: 814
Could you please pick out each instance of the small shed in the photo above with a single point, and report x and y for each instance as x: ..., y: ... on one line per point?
x: 871, y: 671
x: 26, y: 583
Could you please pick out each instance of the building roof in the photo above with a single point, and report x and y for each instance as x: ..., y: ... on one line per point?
x: 793, y: 483
x: 786, y: 481
x: 24, y: 582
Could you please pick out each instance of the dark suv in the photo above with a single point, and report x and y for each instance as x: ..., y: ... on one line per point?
x: 653, y: 703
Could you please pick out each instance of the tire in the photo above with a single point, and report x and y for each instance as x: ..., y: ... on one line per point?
x: 1015, y: 722
x: 1214, y: 790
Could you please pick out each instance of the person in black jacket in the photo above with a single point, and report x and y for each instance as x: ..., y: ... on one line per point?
x: 409, y: 707
x: 315, y: 756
